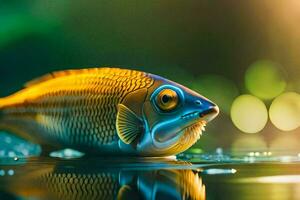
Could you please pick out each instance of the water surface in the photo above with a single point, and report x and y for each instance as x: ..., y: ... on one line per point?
x: 130, y: 178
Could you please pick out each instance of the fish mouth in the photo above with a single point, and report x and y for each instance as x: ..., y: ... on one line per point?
x: 199, y: 119
x: 206, y: 115
x: 190, y: 115
x: 209, y: 114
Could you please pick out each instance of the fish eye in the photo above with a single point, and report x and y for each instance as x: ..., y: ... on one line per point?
x: 167, y: 100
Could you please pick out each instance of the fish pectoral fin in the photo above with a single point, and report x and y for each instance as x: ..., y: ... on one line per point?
x: 128, y: 124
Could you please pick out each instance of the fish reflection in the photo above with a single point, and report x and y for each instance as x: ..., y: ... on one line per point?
x: 74, y: 182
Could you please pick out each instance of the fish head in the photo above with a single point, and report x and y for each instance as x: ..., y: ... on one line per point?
x: 174, y: 118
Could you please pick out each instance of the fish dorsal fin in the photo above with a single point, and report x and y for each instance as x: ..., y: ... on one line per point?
x: 57, y: 74
x: 129, y: 125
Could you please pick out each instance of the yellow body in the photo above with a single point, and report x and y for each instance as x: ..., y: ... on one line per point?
x: 75, y: 107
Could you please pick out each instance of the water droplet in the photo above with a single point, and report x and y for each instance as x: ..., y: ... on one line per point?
x: 219, y: 151
x: 11, y: 172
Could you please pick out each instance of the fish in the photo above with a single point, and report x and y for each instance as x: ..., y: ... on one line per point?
x: 107, y: 111
x: 77, y: 180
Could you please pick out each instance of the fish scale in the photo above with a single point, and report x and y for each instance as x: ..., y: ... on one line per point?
x: 77, y: 106
x: 86, y: 116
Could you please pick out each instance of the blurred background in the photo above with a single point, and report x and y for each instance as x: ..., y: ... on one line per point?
x: 243, y: 55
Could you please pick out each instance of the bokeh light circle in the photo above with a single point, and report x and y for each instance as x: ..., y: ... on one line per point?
x: 249, y: 114
x: 285, y: 111
x: 265, y: 79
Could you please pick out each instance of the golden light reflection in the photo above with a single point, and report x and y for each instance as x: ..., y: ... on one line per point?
x: 285, y: 111
x: 249, y: 114
x: 273, y: 179
x: 265, y: 80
